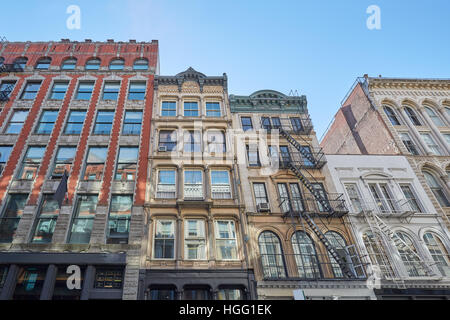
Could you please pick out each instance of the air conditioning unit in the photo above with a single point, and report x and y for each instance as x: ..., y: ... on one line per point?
x: 162, y: 148
x: 263, y: 207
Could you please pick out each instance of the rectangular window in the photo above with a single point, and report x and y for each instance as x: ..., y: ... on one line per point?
x: 220, y: 184
x: 413, y: 202
x: 103, y: 123
x: 11, y: 215
x: 59, y: 90
x: 137, y: 91
x: 63, y: 161
x: 409, y: 144
x: 319, y: 188
x: 194, y: 240
x: 193, y: 184
x: 46, y: 221
x: 191, y: 109
x: 6, y: 88
x: 47, y: 121
x: 85, y: 90
x: 297, y: 125
x: 30, y: 91
x: 265, y: 123
x: 75, y: 122
x: 246, y: 123
x: 216, y: 142
x: 95, y: 163
x: 108, y: 278
x: 164, y: 239
x: 111, y: 90
x: 429, y: 141
x: 166, y: 188
x: 213, y: 109
x: 31, y: 163
x: 253, y: 155
x: 83, y: 219
x: 30, y: 281
x: 127, y: 163
x: 168, y: 139
x: 17, y: 120
x: 5, y: 151
x: 260, y: 193
x: 290, y: 197
x: 226, y: 246
x: 276, y: 123
x: 169, y: 109
x: 353, y: 194
x: 119, y: 219
x: 382, y: 196
x: 192, y: 141
x: 132, y: 123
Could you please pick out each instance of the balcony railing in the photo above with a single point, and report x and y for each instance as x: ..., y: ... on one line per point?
x: 311, y: 206
x: 295, y: 125
x: 13, y: 67
x: 166, y: 191
x: 301, y: 161
x: 193, y: 191
x: 386, y: 206
x: 221, y: 191
x: 8, y: 228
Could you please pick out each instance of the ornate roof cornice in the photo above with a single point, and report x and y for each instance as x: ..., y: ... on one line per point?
x: 409, y: 84
x: 191, y: 75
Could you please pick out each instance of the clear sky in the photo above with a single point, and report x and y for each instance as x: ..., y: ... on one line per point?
x: 315, y: 47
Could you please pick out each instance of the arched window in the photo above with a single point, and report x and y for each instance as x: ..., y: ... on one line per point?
x: 377, y: 253
x: 437, y: 189
x: 410, y: 260
x: 434, y: 117
x: 43, y: 63
x: 338, y: 242
x: 438, y: 252
x: 20, y: 63
x: 272, y: 259
x: 92, y: 64
x: 412, y: 116
x: 116, y: 64
x: 305, y: 256
x: 391, y: 115
x: 69, y: 64
x: 140, y: 64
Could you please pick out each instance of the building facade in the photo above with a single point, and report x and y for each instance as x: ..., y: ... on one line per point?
x: 298, y: 238
x: 83, y: 108
x: 195, y: 233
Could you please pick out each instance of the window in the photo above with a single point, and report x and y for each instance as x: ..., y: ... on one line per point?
x: 166, y: 188
x: 20, y: 63
x: 63, y: 161
x: 111, y: 90
x: 140, y: 64
x: 43, y: 63
x: 213, y: 109
x: 11, y: 216
x: 273, y: 155
x: 413, y: 202
x: 355, y: 199
x: 382, y: 197
x: 305, y: 256
x: 253, y: 155
x: 83, y: 219
x: 260, y: 193
x: 162, y: 293
x: 265, y: 123
x: 320, y: 190
x: 226, y: 246
x: 137, y: 91
x: 127, y: 163
x: 6, y: 88
x: 30, y: 281
x: 297, y: 125
x: 132, y: 123
x: 17, y: 120
x: 5, y: 151
x: 119, y: 219
x: 30, y: 163
x: 108, y: 278
x: 30, y: 91
x: 429, y: 141
x: 438, y: 252
x: 61, y: 291
x: 59, y: 90
x: 168, y: 139
x: 338, y: 243
x: 230, y: 293
x: 193, y: 184
x: 194, y: 240
x: 410, y: 260
x: 220, y: 184
x: 409, y: 144
x: 434, y: 117
x: 276, y: 123
x: 437, y: 189
x: 290, y: 197
x: 447, y: 137
x: 164, y: 239
x: 191, y: 109
x: 75, y: 122
x: 169, y: 109
x: 196, y: 293
x: 246, y: 123
x: 285, y: 156
x: 391, y: 115
x: 272, y: 259
x: 69, y: 64
x: 116, y: 64
x: 103, y: 123
x: 93, y: 64
x: 412, y: 116
x: 216, y: 142
x: 46, y: 122
x: 377, y: 253
x: 192, y: 141
x: 95, y: 163
x: 46, y: 221
x: 85, y: 90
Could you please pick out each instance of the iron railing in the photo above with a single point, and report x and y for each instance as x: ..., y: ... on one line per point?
x: 11, y: 67
x: 294, y: 125
x: 315, y: 160
x: 386, y: 207
x: 310, y: 205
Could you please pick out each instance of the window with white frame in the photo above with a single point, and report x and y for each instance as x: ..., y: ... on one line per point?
x: 191, y: 109
x: 194, y: 240
x: 166, y: 188
x: 410, y: 260
x: 169, y: 109
x: 383, y: 198
x: 437, y: 189
x: 353, y: 194
x: 164, y: 239
x: 391, y: 115
x: 259, y: 189
x: 220, y: 184
x: 409, y: 144
x: 193, y: 184
x: 167, y: 140
x: 438, y: 251
x: 216, y: 142
x: 226, y: 245
x: 434, y: 117
x: 429, y: 141
x: 412, y: 116
x: 192, y: 141
x: 412, y: 201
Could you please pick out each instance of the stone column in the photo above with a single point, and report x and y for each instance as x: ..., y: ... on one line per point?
x: 49, y: 283
x: 211, y: 247
x: 207, y: 184
x: 179, y: 107
x: 444, y: 113
x: 180, y: 193
x: 178, y: 235
x: 88, y: 282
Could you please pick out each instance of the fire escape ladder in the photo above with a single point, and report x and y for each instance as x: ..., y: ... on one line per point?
x: 298, y: 146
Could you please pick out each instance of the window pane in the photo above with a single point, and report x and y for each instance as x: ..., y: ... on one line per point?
x: 11, y: 216
x: 169, y: 109
x: 119, y: 219
x: 46, y: 222
x: 191, y: 109
x: 83, y: 219
x: 213, y: 109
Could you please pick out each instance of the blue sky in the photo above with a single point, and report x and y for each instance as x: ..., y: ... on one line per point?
x: 315, y: 47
